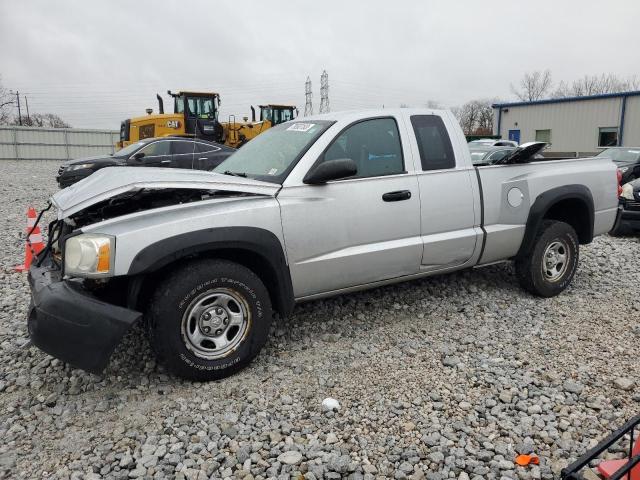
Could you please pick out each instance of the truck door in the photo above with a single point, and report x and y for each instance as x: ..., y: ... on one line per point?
x: 446, y: 197
x: 357, y: 230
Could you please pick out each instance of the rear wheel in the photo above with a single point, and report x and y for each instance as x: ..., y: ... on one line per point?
x: 209, y: 319
x: 551, y: 265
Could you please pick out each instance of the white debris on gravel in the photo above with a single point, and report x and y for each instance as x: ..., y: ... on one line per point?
x: 330, y: 405
x: 448, y: 377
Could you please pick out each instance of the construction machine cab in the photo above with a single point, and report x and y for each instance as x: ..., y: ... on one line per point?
x: 277, y: 114
x: 200, y: 110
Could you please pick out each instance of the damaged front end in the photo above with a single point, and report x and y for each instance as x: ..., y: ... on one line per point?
x: 80, y: 306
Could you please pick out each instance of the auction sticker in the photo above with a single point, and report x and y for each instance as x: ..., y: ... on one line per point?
x: 301, y: 127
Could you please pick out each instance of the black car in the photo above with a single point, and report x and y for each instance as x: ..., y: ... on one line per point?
x: 172, y: 152
x: 627, y: 159
x: 630, y: 201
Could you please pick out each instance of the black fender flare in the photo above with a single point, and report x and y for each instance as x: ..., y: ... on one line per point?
x: 253, y: 240
x: 543, y: 204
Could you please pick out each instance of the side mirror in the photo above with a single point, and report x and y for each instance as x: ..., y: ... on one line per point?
x: 138, y: 156
x: 331, y: 170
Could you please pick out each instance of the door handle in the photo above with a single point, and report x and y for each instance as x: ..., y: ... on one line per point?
x: 396, y: 196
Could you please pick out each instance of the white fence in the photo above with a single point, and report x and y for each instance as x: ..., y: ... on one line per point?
x: 33, y: 143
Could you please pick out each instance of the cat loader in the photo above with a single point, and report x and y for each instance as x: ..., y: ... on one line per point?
x: 195, y: 114
x: 237, y: 134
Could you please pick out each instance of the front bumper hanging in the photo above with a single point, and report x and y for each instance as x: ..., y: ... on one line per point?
x: 69, y: 323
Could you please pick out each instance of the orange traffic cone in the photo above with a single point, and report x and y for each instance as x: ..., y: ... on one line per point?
x: 34, y: 244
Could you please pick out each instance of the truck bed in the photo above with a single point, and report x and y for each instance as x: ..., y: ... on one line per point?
x: 510, y: 191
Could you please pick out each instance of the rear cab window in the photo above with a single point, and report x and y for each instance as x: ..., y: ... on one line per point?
x: 434, y: 145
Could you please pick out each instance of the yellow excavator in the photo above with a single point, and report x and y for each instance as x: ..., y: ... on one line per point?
x: 195, y: 114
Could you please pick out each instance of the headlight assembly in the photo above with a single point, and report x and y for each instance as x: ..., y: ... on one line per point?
x: 89, y: 255
x: 627, y: 191
x: 79, y: 166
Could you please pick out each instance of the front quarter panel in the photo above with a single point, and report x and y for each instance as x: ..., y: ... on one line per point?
x: 140, y: 230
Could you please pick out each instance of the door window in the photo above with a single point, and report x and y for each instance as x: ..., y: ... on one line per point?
x: 181, y: 147
x: 156, y: 148
x: 436, y: 152
x: 204, y: 148
x: 373, y: 144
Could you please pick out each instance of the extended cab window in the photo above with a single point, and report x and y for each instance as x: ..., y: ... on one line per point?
x: 373, y: 144
x: 436, y: 152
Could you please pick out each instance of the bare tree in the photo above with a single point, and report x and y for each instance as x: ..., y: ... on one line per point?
x: 434, y: 104
x: 7, y: 101
x: 45, y: 120
x: 533, y: 86
x: 475, y: 117
x: 596, y: 85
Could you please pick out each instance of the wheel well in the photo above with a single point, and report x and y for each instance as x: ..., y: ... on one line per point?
x: 148, y: 282
x: 575, y: 212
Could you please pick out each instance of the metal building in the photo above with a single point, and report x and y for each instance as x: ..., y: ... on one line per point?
x: 577, y: 126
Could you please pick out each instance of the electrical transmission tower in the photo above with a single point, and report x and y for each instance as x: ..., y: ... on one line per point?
x: 324, y: 93
x: 308, y: 107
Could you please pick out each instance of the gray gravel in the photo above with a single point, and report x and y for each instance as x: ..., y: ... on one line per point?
x: 449, y: 377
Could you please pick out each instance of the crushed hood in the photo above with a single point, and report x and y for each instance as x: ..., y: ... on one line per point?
x: 109, y: 182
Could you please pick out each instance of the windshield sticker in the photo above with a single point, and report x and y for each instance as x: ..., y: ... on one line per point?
x: 301, y: 127
x: 273, y: 171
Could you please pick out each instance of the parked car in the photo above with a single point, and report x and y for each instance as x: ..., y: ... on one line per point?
x: 627, y: 160
x: 328, y: 205
x: 486, y: 155
x: 172, y: 152
x: 630, y: 202
x: 492, y: 142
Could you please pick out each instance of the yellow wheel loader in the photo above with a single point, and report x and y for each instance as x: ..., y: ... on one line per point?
x: 237, y: 134
x: 195, y: 114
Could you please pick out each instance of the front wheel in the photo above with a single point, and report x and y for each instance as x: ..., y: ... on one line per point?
x: 552, y: 263
x: 209, y: 319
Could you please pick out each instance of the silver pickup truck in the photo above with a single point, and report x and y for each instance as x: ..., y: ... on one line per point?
x: 316, y: 207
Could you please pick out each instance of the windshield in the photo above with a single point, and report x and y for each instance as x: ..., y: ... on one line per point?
x: 128, y: 150
x: 621, y: 155
x: 476, y: 157
x: 271, y: 155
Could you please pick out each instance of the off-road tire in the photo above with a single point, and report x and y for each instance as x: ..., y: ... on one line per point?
x: 179, y: 290
x: 530, y: 268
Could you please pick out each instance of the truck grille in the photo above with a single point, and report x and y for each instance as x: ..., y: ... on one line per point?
x: 632, y: 205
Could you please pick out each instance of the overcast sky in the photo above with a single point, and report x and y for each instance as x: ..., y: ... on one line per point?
x: 96, y: 63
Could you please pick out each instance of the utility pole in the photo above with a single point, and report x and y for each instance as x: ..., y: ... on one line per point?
x: 19, y: 113
x: 308, y: 106
x: 27, y: 104
x: 324, y: 93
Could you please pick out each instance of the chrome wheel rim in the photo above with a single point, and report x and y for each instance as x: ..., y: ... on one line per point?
x: 555, y: 260
x: 215, y: 323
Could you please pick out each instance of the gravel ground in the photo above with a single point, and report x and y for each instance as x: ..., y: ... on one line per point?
x: 448, y: 377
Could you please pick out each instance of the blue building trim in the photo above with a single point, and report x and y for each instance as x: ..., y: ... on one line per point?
x: 624, y: 95
x: 621, y: 128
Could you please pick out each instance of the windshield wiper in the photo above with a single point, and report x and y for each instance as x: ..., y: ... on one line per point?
x: 235, y: 174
